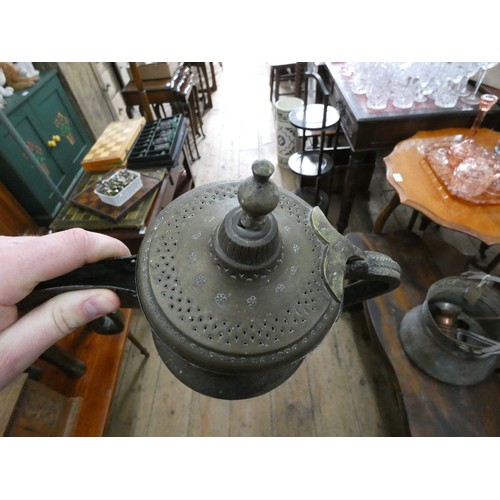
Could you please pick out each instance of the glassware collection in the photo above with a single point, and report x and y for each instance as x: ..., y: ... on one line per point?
x: 468, y: 170
x: 404, y: 84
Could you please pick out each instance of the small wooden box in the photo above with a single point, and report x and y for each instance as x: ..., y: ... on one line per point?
x: 111, y: 149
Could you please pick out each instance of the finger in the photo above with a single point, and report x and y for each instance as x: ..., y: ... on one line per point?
x: 8, y: 315
x: 50, y: 256
x: 25, y: 340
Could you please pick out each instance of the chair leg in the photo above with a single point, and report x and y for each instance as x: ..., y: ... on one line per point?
x: 190, y: 151
x: 207, y: 90
x: 197, y: 111
x: 187, y: 110
x: 271, y: 84
x: 300, y: 69
x: 494, y: 262
x: 195, y: 147
x: 277, y: 85
x: 213, y: 88
x: 187, y: 168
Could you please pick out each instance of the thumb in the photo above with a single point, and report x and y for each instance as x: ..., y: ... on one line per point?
x: 30, y: 336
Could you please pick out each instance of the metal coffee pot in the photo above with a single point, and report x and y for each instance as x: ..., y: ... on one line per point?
x: 239, y: 282
x: 454, y: 335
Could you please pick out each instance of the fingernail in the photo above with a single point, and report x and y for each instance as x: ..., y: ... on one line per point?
x: 98, y: 306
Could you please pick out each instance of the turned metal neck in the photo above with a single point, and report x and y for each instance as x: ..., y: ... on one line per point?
x: 248, y: 239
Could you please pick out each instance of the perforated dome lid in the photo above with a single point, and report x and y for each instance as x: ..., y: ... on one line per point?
x: 229, y: 288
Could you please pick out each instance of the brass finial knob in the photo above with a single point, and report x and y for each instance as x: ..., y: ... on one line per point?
x: 248, y: 240
x: 258, y: 195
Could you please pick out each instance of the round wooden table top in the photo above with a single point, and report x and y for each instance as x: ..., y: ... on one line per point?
x: 418, y: 186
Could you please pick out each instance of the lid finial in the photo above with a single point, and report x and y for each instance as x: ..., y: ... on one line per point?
x: 258, y: 195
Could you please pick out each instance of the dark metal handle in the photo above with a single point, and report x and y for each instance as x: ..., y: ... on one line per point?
x: 370, y: 273
x: 114, y: 274
x: 373, y: 275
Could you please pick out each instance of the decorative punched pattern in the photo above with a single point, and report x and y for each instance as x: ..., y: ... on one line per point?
x: 202, y: 298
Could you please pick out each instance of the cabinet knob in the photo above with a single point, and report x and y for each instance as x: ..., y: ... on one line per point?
x: 52, y: 143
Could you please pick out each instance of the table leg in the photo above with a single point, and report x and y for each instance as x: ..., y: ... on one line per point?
x: 384, y: 214
x: 495, y: 261
x: 482, y: 253
x: 351, y: 181
x: 413, y: 219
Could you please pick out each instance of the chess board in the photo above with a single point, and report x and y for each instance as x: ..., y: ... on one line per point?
x: 88, y: 200
x: 111, y: 149
x: 73, y: 215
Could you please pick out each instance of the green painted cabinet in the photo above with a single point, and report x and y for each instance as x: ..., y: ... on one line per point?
x: 45, y: 119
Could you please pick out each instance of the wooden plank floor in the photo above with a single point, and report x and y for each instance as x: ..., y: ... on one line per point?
x: 342, y: 388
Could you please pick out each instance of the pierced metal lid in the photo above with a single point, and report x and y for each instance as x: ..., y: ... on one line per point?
x: 230, y: 276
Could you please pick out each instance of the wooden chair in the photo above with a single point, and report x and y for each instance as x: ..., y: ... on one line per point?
x: 204, y: 84
x: 283, y: 72
x: 179, y: 92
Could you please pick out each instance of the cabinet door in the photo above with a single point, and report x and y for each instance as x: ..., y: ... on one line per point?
x: 56, y: 117
x: 38, y: 115
x: 26, y: 182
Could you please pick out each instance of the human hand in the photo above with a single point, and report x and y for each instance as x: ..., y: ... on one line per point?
x: 25, y: 261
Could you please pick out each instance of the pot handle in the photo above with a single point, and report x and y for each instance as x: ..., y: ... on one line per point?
x: 370, y: 273
x: 373, y: 275
x: 116, y: 274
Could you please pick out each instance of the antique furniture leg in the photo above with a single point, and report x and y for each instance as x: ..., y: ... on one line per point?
x: 413, y: 219
x: 482, y: 249
x: 385, y: 213
x: 353, y: 174
x: 70, y: 365
x: 190, y: 151
x: 424, y: 223
x: 482, y: 253
x: 201, y: 67
x: 493, y: 263
x: 196, y: 109
x: 187, y: 167
x: 300, y: 69
x: 137, y: 344
x: 213, y: 88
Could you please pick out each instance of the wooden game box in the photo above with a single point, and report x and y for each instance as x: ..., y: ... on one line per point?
x: 111, y: 149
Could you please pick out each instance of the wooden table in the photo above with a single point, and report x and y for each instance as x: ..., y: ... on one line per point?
x: 428, y: 407
x: 368, y: 131
x: 130, y: 230
x: 418, y: 187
